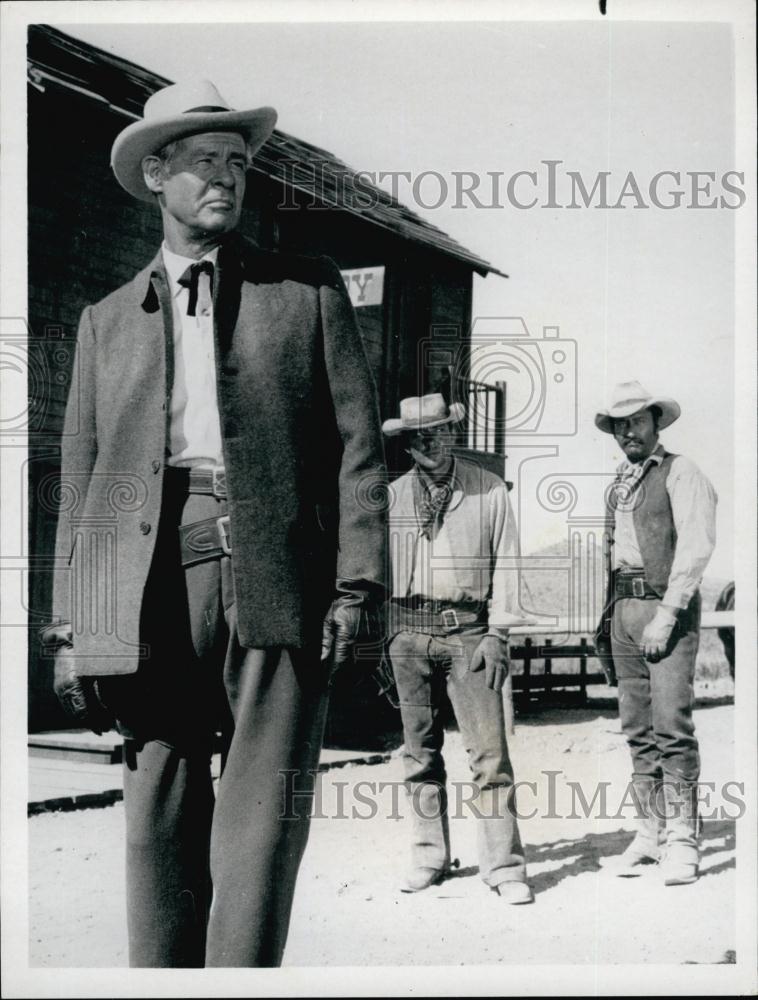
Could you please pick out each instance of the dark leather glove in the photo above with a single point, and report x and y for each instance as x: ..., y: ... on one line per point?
x: 491, y: 655
x: 79, y: 695
x: 352, y: 620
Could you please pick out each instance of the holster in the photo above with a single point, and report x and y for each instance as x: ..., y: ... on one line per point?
x: 385, y: 679
x: 603, y: 650
x: 204, y: 540
x: 602, y: 637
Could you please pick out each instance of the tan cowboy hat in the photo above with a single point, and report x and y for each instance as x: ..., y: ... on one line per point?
x: 419, y: 412
x: 175, y: 112
x: 630, y: 397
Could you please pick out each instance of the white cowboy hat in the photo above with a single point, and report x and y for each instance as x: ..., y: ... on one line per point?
x: 419, y: 412
x: 175, y: 112
x: 630, y: 397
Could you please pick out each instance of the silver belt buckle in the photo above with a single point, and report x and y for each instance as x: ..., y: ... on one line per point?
x: 450, y: 618
x: 638, y: 586
x: 224, y: 534
x: 219, y: 483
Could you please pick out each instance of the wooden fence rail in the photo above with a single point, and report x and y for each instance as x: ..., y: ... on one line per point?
x: 543, y: 684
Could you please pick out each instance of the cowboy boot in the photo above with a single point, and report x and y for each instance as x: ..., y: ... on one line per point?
x: 645, y: 849
x: 680, y: 862
x: 430, y: 851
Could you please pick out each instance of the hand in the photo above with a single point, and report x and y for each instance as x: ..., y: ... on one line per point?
x: 79, y: 695
x: 349, y: 621
x: 656, y: 635
x: 491, y: 655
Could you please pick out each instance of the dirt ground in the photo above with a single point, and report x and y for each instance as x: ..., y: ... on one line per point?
x: 348, y: 910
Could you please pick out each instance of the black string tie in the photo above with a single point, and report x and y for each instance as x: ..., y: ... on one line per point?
x: 190, y: 280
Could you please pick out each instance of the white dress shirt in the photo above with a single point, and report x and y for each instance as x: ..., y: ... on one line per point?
x: 693, y: 506
x: 195, y: 431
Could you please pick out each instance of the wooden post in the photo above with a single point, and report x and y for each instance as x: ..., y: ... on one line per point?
x: 508, y: 712
x: 548, y: 682
x: 500, y: 418
x: 583, y: 669
x: 528, y: 667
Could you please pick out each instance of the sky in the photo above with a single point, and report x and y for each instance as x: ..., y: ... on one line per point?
x: 645, y: 293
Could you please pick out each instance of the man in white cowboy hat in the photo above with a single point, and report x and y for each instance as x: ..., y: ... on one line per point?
x: 453, y: 545
x: 226, y: 419
x: 663, y: 510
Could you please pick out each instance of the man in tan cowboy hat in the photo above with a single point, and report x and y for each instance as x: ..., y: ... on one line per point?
x: 664, y: 511
x: 453, y: 547
x: 226, y: 419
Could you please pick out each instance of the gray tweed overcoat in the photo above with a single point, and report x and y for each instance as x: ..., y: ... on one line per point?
x: 302, y: 449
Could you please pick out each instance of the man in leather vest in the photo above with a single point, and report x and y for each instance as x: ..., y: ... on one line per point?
x: 212, y: 536
x: 664, y: 512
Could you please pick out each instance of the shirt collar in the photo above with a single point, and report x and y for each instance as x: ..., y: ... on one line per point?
x: 637, y: 468
x: 427, y: 480
x: 176, y: 265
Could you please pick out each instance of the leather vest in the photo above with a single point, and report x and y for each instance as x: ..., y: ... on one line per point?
x: 654, y: 524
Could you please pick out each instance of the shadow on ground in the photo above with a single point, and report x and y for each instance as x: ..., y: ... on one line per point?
x: 586, y: 853
x: 362, y: 719
x: 530, y: 714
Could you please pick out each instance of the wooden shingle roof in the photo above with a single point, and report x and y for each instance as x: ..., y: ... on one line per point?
x: 55, y: 58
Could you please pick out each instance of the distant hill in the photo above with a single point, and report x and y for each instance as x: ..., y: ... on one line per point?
x: 547, y: 591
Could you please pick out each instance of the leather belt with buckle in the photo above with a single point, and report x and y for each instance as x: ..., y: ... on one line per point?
x: 210, y: 482
x: 428, y: 605
x: 627, y: 585
x: 442, y: 614
x: 207, y: 482
x: 204, y: 540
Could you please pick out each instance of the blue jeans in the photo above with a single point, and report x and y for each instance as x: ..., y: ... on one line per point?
x: 424, y: 666
x: 656, y: 699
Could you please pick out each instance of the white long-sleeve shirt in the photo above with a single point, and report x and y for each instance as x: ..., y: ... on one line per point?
x: 473, y: 555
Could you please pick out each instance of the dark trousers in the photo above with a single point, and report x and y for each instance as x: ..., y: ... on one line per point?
x: 424, y: 666
x: 656, y: 699
x: 211, y: 882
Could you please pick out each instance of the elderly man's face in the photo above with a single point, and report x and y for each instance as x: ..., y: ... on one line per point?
x: 636, y: 435
x: 203, y: 184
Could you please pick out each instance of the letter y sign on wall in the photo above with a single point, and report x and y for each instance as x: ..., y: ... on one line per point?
x: 365, y: 285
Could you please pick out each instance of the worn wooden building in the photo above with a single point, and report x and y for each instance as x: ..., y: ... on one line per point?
x: 410, y: 282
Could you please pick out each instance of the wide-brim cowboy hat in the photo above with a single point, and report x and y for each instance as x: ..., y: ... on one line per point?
x: 419, y: 412
x: 174, y: 113
x: 630, y: 397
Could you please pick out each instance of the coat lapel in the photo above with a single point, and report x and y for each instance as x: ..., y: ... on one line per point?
x: 246, y: 282
x: 158, y: 321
